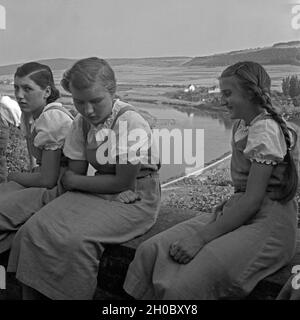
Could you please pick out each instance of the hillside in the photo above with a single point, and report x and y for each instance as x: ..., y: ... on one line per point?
x: 54, y: 64
x: 63, y: 64
x: 278, y: 54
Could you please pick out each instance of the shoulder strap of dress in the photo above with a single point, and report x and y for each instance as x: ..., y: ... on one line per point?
x: 122, y: 111
x: 236, y: 125
x: 62, y: 109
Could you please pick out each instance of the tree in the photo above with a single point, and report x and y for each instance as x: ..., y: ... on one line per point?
x: 294, y: 89
x: 291, y: 86
x: 296, y: 101
x: 285, y: 86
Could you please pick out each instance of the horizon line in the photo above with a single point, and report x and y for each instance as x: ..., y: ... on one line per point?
x: 150, y: 57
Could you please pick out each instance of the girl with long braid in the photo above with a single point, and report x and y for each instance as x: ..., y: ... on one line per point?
x: 253, y: 234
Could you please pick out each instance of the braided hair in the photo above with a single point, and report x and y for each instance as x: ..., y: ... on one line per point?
x: 254, y: 80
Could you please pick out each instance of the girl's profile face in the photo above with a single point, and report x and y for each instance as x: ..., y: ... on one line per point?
x: 94, y: 103
x: 234, y: 98
x: 30, y: 96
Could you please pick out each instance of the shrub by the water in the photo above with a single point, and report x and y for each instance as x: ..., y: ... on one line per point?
x: 291, y: 86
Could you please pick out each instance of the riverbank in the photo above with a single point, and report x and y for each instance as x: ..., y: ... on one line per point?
x: 167, y: 95
x: 203, y: 192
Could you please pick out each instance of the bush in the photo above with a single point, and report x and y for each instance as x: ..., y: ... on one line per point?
x: 291, y: 86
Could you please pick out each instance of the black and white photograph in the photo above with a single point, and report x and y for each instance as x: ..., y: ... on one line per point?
x: 149, y: 152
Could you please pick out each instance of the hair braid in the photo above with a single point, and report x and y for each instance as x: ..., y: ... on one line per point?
x: 278, y: 118
x: 290, y: 181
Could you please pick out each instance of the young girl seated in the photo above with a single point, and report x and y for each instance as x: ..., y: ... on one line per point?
x: 254, y: 233
x: 57, y: 252
x: 45, y: 124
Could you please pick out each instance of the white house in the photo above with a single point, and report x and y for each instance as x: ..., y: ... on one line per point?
x: 190, y: 88
x: 215, y: 90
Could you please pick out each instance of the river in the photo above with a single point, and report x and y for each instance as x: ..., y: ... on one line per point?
x: 217, y: 128
x: 217, y: 131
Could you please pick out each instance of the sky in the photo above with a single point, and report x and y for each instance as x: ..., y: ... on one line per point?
x: 42, y: 29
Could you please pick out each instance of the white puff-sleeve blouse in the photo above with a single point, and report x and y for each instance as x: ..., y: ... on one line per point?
x: 75, y: 145
x: 266, y: 142
x: 51, y: 128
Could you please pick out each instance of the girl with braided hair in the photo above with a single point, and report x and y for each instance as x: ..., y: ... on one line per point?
x: 251, y: 235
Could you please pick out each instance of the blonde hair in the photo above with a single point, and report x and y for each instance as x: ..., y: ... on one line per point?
x: 86, y: 72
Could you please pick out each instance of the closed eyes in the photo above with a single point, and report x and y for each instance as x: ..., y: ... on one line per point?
x: 95, y: 101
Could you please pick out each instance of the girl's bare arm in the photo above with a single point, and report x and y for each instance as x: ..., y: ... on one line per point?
x: 46, y: 177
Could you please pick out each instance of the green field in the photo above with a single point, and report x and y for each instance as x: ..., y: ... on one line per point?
x: 139, y: 80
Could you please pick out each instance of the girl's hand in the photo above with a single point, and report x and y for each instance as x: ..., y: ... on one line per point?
x: 128, y: 196
x: 184, y: 250
x: 217, y: 210
x: 68, y: 179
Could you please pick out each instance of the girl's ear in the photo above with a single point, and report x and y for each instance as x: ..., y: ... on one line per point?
x: 47, y: 92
